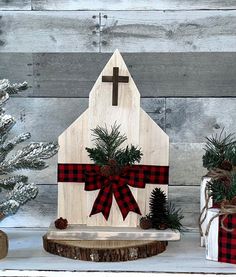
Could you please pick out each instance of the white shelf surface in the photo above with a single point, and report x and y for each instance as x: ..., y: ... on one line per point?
x: 83, y: 232
x: 26, y: 253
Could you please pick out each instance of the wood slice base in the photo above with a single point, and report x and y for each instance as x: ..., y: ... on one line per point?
x: 104, y: 251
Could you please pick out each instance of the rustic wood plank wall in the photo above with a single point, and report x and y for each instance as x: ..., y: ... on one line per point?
x: 181, y: 55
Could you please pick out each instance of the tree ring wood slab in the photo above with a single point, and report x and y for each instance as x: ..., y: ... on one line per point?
x: 104, y: 251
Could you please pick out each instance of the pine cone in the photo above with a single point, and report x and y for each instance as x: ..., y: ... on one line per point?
x: 233, y: 201
x: 145, y: 223
x: 61, y: 223
x: 112, y: 162
x: 106, y: 170
x: 226, y: 165
x: 162, y: 226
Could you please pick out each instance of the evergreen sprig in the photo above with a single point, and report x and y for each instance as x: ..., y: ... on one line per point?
x: 162, y: 213
x: 108, y: 147
x: 174, y: 217
x: 219, y: 148
x: 219, y: 191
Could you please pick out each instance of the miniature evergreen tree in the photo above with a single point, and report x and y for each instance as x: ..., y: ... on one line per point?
x: 162, y: 214
x: 31, y: 156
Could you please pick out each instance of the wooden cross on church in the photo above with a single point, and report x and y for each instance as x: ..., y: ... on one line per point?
x: 115, y: 79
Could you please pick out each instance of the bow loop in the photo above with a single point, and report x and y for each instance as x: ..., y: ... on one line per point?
x: 136, y: 176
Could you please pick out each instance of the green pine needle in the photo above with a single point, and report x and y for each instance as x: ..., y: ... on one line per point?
x: 108, y: 147
x: 219, y: 148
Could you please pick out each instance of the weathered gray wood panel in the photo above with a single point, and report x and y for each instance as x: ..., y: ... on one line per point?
x: 187, y: 121
x: 43, y: 210
x: 15, y: 5
x: 17, y: 67
x: 48, y: 32
x: 156, y: 74
x: 190, y: 120
x: 47, y: 118
x: 186, y: 164
x: 168, y: 31
x: 131, y: 5
x: 39, y: 212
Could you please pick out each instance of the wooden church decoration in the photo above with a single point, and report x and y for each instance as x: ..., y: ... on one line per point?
x: 115, y: 79
x: 89, y: 233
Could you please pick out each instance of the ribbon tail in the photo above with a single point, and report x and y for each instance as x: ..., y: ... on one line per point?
x: 126, y: 201
x: 103, y: 202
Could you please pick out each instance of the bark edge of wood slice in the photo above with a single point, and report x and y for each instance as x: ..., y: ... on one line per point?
x: 3, y: 244
x: 104, y: 251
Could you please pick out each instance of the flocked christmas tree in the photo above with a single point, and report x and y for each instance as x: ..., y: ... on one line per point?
x: 32, y: 156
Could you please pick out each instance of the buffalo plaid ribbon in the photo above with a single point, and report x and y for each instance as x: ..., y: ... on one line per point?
x: 227, y: 240
x: 136, y: 176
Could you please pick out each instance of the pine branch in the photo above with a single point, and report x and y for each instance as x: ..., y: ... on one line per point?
x: 6, y: 124
x: 128, y: 156
x: 107, y: 148
x: 174, y: 217
x: 7, y: 87
x: 8, y: 207
x: 7, y: 147
x: 10, y: 182
x: 219, y: 148
x: 30, y: 157
x: 22, y: 193
x: 220, y: 191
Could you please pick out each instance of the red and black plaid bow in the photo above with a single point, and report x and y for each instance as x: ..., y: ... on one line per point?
x: 135, y: 176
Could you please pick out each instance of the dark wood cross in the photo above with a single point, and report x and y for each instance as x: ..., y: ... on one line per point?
x: 115, y: 79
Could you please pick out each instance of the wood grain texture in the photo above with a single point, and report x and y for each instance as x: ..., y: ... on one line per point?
x: 109, y: 251
x: 42, y: 211
x: 82, y: 232
x: 191, y: 120
x: 131, y: 5
x: 168, y: 31
x: 212, y: 240
x: 184, y: 256
x: 7, y: 5
x: 155, y: 74
x: 48, y: 32
x: 151, y: 138
x: 17, y: 67
x: 39, y: 212
x: 186, y: 164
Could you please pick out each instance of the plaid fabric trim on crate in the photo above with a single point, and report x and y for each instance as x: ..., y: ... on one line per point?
x: 135, y: 176
x: 227, y: 240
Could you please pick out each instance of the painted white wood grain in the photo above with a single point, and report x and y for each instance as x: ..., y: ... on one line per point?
x: 203, y: 184
x: 83, y: 232
x: 167, y: 31
x: 139, y: 129
x: 211, y: 240
x: 131, y: 5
